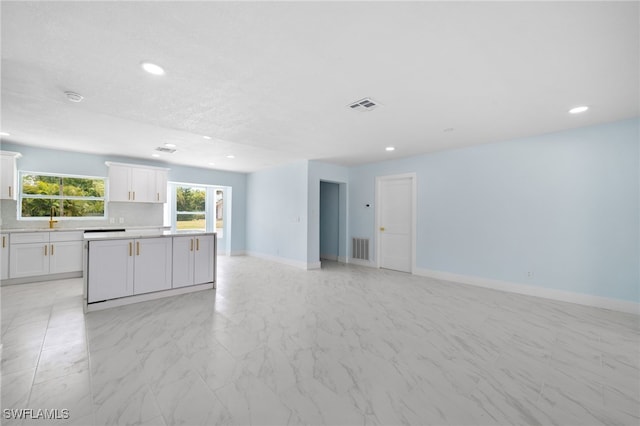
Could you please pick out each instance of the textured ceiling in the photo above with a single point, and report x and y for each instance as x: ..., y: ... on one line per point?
x: 270, y: 82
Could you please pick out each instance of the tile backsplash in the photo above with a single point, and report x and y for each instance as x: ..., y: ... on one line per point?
x: 132, y: 214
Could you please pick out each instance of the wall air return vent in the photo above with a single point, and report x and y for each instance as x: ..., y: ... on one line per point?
x: 363, y: 105
x: 360, y: 248
x: 166, y: 150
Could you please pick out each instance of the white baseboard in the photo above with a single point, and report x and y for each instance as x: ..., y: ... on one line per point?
x: 329, y: 257
x: 238, y: 253
x: 285, y: 261
x: 545, y: 293
x: 342, y: 259
x: 360, y: 262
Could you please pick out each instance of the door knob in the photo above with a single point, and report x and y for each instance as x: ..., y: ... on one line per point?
x: 382, y: 228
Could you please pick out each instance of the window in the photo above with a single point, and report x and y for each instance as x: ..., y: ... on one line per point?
x: 196, y: 208
x: 191, y: 208
x: 43, y: 194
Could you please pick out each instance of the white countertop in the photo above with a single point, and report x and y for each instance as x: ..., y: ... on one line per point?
x: 90, y: 228
x: 140, y: 233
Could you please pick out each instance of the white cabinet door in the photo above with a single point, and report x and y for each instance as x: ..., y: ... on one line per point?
x: 110, y: 270
x: 119, y: 183
x: 143, y: 185
x: 161, y: 186
x: 4, y: 265
x: 28, y: 260
x: 152, y: 265
x: 183, y: 251
x: 204, y: 262
x: 65, y: 256
x: 8, y: 177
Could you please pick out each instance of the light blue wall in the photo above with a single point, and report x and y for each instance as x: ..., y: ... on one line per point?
x: 564, y: 206
x: 55, y: 161
x: 277, y: 212
x: 329, y: 218
x: 319, y: 171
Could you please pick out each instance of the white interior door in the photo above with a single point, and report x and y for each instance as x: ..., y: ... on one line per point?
x: 395, y: 223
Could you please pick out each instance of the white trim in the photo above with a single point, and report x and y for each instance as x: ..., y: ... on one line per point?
x: 295, y: 263
x: 414, y: 179
x: 328, y: 257
x: 545, y: 293
x: 145, y: 297
x: 343, y: 259
x: 361, y: 262
x: 238, y: 253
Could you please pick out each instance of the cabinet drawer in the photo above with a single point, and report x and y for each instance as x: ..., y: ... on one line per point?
x: 29, y: 237
x: 66, y: 236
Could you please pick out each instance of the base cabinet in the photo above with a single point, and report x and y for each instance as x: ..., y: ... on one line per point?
x: 33, y: 254
x: 193, y: 260
x: 4, y: 264
x: 120, y: 268
x: 152, y: 265
x: 110, y: 270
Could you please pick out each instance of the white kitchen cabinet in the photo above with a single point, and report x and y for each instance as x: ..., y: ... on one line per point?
x: 8, y: 175
x: 204, y: 259
x: 41, y: 253
x: 119, y: 268
x: 193, y: 260
x: 152, y: 265
x: 143, y: 185
x: 110, y: 269
x: 161, y: 186
x: 4, y: 264
x: 119, y: 186
x: 140, y: 184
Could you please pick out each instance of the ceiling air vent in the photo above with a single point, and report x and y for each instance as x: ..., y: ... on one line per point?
x: 166, y: 150
x: 366, y: 104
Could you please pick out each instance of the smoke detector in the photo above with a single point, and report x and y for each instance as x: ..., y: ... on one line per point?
x: 363, y: 105
x: 74, y: 97
x: 166, y: 150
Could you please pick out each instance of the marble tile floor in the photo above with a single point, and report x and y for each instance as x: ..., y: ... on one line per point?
x: 345, y: 345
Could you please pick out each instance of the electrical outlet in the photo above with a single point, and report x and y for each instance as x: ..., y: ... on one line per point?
x: 121, y: 220
x: 530, y: 274
x: 112, y: 220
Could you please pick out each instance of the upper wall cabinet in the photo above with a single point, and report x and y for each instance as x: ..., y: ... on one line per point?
x: 8, y: 175
x: 140, y: 184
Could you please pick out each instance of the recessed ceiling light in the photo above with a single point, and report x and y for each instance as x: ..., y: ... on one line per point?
x: 212, y: 164
x: 170, y: 145
x: 578, y: 109
x: 390, y: 148
x: 155, y: 155
x: 152, y: 68
x: 231, y: 156
x: 207, y: 137
x: 5, y: 134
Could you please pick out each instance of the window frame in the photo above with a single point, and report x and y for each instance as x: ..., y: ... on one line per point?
x: 22, y: 195
x: 171, y: 212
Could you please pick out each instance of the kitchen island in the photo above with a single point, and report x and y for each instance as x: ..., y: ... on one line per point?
x: 135, y: 266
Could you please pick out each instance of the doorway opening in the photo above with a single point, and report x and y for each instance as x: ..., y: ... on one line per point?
x: 333, y: 221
